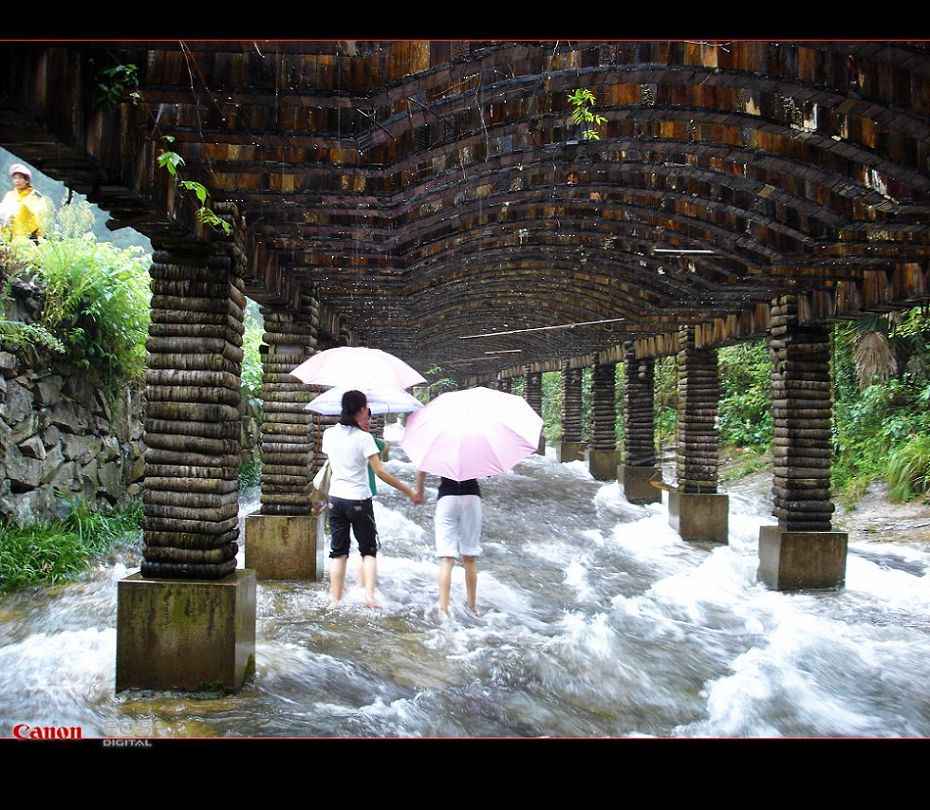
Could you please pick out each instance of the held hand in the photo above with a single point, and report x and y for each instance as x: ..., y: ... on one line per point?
x: 416, y: 497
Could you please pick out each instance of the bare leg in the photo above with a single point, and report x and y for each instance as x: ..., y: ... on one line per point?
x: 337, y: 577
x: 471, y: 581
x: 446, y: 564
x: 360, y: 572
x: 370, y: 579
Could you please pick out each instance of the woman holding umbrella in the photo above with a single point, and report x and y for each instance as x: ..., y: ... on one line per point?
x: 461, y: 436
x: 350, y: 450
x: 458, y: 532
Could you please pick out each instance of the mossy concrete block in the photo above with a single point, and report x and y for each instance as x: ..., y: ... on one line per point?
x: 602, y: 464
x: 192, y: 635
x: 636, y: 484
x: 284, y: 546
x: 700, y: 517
x: 791, y: 561
x: 570, y: 451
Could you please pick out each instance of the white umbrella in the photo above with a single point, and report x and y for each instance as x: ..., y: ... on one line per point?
x: 380, y: 400
x: 357, y: 367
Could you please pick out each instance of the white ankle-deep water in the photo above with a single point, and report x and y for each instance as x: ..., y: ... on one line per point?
x: 595, y: 620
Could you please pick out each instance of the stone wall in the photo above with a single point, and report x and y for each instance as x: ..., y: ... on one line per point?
x: 63, y: 437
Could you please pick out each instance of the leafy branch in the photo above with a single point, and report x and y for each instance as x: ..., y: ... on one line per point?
x: 116, y: 83
x: 172, y: 161
x: 583, y: 101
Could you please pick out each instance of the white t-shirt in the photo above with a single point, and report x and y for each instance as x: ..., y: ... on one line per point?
x: 349, y: 449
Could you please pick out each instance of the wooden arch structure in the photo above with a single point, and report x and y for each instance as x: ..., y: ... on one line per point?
x: 425, y: 191
x: 408, y: 195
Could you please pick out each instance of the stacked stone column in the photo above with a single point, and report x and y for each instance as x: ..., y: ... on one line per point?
x: 602, y: 458
x: 639, y: 430
x: 532, y: 391
x: 282, y: 540
x: 696, y: 511
x: 571, y: 448
x: 802, y: 551
x: 187, y: 620
x: 192, y: 426
x: 287, y: 446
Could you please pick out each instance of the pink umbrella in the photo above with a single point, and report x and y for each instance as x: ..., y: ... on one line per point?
x: 471, y: 434
x: 357, y: 367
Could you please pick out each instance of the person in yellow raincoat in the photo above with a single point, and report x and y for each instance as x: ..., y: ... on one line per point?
x: 23, y: 210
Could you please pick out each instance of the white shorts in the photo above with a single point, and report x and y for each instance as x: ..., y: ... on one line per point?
x: 458, y: 526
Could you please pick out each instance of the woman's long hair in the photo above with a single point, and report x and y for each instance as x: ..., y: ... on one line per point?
x: 352, y: 403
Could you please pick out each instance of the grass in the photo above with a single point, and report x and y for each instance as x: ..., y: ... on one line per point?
x: 47, y: 554
x: 738, y: 462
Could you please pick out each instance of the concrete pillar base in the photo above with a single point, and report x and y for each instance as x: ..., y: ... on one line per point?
x: 570, y: 451
x: 602, y: 464
x: 791, y: 561
x: 541, y: 449
x: 636, y: 486
x: 195, y: 635
x: 283, y: 546
x: 699, y: 517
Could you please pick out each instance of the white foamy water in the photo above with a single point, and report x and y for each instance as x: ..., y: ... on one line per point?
x: 595, y: 619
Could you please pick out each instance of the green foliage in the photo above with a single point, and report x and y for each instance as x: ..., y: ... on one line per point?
x: 96, y: 302
x: 666, y: 401
x: 73, y: 218
x: 16, y: 335
x: 58, y: 551
x: 745, y: 408
x: 587, y: 405
x: 116, y: 83
x: 552, y: 406
x: 871, y: 429
x: 251, y: 358
x: 192, y: 185
x: 436, y: 383
x: 909, y: 469
x: 619, y: 389
x: 250, y: 474
x: 583, y: 101
x: 171, y: 161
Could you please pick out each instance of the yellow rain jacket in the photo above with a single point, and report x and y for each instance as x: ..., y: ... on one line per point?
x: 23, y: 212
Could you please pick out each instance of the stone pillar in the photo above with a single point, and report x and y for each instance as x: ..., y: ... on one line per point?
x: 287, y: 448
x: 571, y: 448
x: 532, y: 391
x: 639, y: 430
x: 187, y: 621
x: 801, y: 551
x: 192, y: 417
x: 696, y: 510
x: 602, y: 458
x: 281, y: 541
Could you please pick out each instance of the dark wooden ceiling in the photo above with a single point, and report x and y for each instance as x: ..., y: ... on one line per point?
x: 428, y: 191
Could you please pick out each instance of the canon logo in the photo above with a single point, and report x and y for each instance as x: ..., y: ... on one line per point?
x: 23, y: 731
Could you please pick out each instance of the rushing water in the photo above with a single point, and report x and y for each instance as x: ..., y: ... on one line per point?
x: 595, y: 620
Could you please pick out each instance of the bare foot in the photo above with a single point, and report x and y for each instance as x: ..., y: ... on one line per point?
x: 371, y: 603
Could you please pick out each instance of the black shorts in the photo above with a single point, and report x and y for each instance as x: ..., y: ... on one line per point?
x: 360, y: 515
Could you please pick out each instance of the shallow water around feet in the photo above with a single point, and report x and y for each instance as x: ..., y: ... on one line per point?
x: 595, y: 619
